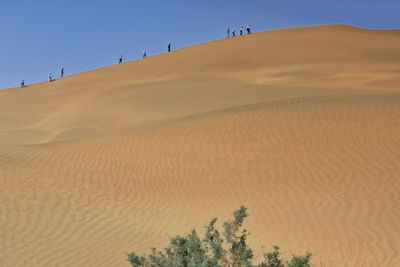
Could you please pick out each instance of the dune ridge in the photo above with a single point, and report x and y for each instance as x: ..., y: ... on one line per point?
x: 300, y: 125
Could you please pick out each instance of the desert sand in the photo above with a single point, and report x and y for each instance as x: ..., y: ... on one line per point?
x: 301, y: 125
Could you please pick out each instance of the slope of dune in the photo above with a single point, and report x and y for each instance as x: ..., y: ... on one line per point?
x: 300, y: 125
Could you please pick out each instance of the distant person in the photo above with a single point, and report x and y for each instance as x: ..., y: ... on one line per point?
x: 233, y: 33
x: 22, y: 84
x: 169, y: 47
x: 62, y: 72
x: 248, y: 29
x: 228, y: 33
x: 120, y: 60
x: 50, y: 77
x: 144, y: 54
x: 241, y: 30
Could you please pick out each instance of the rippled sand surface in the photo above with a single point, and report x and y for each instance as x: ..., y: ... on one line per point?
x: 300, y: 125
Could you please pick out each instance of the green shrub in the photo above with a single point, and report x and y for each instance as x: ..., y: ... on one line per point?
x: 215, y: 250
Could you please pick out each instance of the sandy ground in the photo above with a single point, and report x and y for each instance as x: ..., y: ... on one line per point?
x: 300, y: 125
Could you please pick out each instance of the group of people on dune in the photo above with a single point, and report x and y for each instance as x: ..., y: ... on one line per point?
x: 145, y: 53
x: 51, y: 75
x: 169, y: 47
x: 228, y: 32
x: 51, y: 78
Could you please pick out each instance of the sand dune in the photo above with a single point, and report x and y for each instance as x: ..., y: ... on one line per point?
x: 300, y: 125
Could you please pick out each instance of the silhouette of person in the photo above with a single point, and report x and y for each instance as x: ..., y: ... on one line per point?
x: 233, y: 33
x: 50, y: 77
x: 228, y: 32
x: 169, y: 47
x: 248, y: 29
x: 120, y: 60
x: 22, y: 83
x: 241, y: 30
x: 62, y: 72
x: 144, y: 54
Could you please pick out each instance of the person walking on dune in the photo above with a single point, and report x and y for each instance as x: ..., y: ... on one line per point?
x: 120, y: 60
x: 228, y: 33
x: 241, y: 30
x: 50, y: 77
x: 62, y: 72
x: 233, y: 33
x: 248, y: 29
x: 22, y: 83
x: 169, y: 47
x: 144, y: 54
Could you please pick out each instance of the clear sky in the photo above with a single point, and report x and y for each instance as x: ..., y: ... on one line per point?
x: 38, y: 37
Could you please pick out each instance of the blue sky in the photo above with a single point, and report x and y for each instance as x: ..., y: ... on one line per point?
x: 38, y: 37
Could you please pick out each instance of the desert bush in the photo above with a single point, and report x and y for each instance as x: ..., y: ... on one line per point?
x: 228, y: 249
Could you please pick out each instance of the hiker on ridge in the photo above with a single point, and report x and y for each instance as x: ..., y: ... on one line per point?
x: 144, y: 54
x: 22, y: 83
x: 169, y: 47
x: 248, y: 29
x: 241, y: 30
x: 228, y: 32
x: 120, y: 60
x: 233, y: 33
x: 50, y: 77
x: 62, y: 72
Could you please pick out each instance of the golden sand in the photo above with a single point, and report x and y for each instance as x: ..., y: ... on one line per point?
x: 300, y: 125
